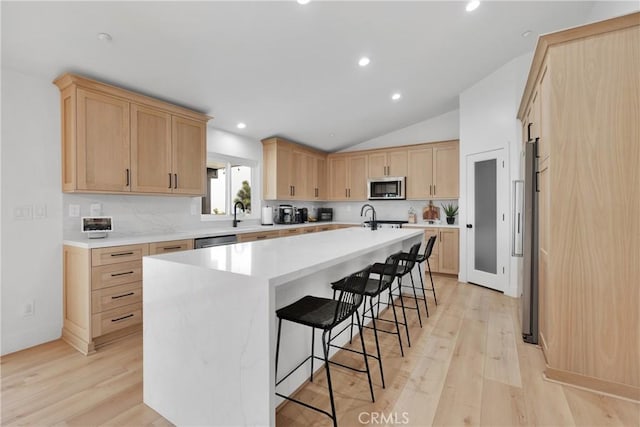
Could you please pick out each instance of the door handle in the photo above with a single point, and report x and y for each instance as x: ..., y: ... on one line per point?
x: 169, y: 180
x: 175, y: 180
x: 128, y: 177
x: 469, y: 225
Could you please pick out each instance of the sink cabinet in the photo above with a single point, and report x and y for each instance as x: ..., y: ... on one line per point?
x: 117, y: 141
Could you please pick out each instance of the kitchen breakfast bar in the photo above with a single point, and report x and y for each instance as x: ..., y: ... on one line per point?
x: 210, y: 325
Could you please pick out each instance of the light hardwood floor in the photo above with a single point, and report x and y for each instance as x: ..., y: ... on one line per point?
x: 466, y: 366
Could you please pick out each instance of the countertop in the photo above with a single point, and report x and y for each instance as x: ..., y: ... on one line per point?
x: 278, y: 260
x: 121, y: 239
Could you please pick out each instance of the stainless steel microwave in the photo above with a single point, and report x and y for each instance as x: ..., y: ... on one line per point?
x: 387, y: 188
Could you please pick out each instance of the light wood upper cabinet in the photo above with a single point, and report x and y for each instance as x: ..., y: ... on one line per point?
x: 291, y: 171
x: 189, y: 149
x: 150, y: 150
x: 387, y: 163
x: 446, y: 176
x: 117, y: 141
x: 348, y: 177
x: 433, y: 171
x: 420, y: 175
x: 102, y: 146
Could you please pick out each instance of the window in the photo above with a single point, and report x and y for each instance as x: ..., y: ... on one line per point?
x: 228, y: 181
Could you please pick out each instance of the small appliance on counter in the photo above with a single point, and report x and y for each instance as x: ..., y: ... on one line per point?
x: 267, y: 215
x: 96, y: 227
x: 325, y: 214
x: 285, y: 215
x: 302, y: 215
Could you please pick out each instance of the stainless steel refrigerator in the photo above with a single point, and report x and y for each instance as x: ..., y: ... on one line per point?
x: 530, y: 246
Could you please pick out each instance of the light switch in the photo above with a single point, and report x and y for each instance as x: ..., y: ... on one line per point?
x: 95, y: 209
x: 74, y: 210
x: 24, y: 212
x: 40, y: 211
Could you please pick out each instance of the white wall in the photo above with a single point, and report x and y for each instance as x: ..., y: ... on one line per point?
x: 32, y: 255
x: 440, y: 128
x: 488, y: 122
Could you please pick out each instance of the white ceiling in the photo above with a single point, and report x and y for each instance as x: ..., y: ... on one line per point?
x: 282, y: 68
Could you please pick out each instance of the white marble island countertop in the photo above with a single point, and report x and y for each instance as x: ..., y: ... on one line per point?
x: 284, y: 259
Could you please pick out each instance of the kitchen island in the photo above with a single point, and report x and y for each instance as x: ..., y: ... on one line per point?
x: 209, y: 319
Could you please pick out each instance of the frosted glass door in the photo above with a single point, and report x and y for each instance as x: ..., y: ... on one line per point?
x: 485, y: 223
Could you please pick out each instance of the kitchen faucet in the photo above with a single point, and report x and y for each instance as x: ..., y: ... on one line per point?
x: 367, y: 207
x: 236, y: 221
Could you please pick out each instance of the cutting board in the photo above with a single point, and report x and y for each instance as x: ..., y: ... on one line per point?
x: 430, y: 213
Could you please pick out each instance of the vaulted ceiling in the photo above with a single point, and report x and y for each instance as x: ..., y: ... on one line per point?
x: 280, y: 67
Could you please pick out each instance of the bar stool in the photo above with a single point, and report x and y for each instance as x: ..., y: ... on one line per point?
x: 410, y: 260
x: 373, y: 288
x: 425, y: 257
x: 325, y: 314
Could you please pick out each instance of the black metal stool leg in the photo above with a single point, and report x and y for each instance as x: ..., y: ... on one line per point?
x: 375, y: 334
x: 395, y: 318
x: 404, y: 313
x: 278, y: 347
x: 424, y: 295
x: 433, y: 287
x: 325, y: 348
x: 366, y: 360
x: 415, y: 298
x: 313, y: 340
x: 351, y: 331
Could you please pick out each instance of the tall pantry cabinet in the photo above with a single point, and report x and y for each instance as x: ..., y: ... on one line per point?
x: 582, y: 102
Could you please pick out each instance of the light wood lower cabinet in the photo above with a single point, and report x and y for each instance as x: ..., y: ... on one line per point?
x: 292, y: 231
x: 445, y: 254
x: 260, y: 235
x: 102, y: 298
x: 170, y: 246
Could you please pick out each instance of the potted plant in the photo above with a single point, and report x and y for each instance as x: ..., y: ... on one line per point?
x: 450, y: 210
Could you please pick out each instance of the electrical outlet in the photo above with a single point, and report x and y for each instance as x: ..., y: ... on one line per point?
x: 74, y: 210
x: 24, y: 212
x: 29, y: 309
x: 40, y: 211
x: 95, y: 209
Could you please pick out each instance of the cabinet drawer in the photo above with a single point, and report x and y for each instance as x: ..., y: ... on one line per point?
x: 325, y: 227
x: 118, y: 318
x: 290, y: 232
x: 251, y: 237
x: 172, y: 246
x: 115, y: 296
x: 116, y: 274
x: 116, y: 254
x: 309, y: 230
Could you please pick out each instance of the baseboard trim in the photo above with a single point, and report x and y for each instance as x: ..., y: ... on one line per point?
x: 596, y: 385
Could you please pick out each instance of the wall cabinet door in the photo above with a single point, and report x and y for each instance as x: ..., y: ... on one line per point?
x: 446, y: 177
x: 377, y: 164
x: 103, y: 162
x: 150, y: 150
x: 189, y: 156
x: 357, y: 172
x: 420, y: 174
x: 321, y: 178
x: 338, y: 178
x: 397, y: 163
x: 300, y: 179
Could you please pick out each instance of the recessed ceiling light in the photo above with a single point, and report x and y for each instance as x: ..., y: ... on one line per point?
x: 241, y: 125
x: 396, y: 96
x: 303, y: 1
x: 526, y: 33
x: 472, y: 5
x: 364, y: 61
x: 105, y: 37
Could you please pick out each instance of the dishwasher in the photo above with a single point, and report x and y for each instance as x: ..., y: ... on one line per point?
x: 208, y: 242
